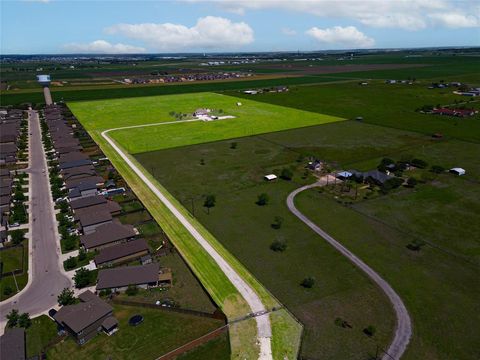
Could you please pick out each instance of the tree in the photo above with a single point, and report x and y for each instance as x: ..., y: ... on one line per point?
x: 421, y: 164
x: 202, y: 161
x: 263, y: 199
x: 209, y: 202
x: 82, y: 278
x: 411, y: 182
x: 277, y: 222
x: 66, y: 297
x: 369, y: 330
x: 308, y: 282
x: 70, y: 263
x: 131, y: 290
x: 69, y: 242
x: 278, y: 246
x: 17, y: 236
x: 12, y: 318
x: 82, y: 254
x: 437, y: 169
x: 233, y: 145
x: 286, y: 174
x: 391, y: 183
x: 24, y: 321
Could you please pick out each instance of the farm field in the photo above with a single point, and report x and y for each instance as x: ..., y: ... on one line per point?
x: 391, y: 105
x: 250, y: 118
x: 211, y: 164
x: 159, y: 333
x: 235, y: 177
x: 242, y: 336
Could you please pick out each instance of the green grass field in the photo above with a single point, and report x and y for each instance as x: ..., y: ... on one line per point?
x: 12, y: 259
x: 382, y: 104
x: 250, y: 118
x: 443, y: 212
x: 377, y: 230
x: 242, y: 336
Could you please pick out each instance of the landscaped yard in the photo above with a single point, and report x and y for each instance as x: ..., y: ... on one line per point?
x: 159, y: 333
x: 13, y: 260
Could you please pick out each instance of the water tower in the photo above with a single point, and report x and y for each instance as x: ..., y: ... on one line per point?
x: 44, y: 80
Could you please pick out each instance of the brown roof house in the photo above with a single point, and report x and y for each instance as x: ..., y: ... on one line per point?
x: 121, y: 253
x: 118, y: 279
x: 89, y: 221
x: 12, y: 345
x: 109, y: 206
x: 86, y: 319
x: 107, y: 235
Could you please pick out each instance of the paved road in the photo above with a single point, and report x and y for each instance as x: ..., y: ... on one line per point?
x: 46, y: 275
x: 403, y: 332
x: 264, y: 331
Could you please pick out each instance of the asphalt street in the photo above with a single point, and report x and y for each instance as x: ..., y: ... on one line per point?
x: 47, y: 278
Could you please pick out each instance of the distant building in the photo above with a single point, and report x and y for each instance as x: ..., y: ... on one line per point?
x: 270, y: 177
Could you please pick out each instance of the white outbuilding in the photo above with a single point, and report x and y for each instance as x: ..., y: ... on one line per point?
x: 270, y: 177
x: 457, y: 171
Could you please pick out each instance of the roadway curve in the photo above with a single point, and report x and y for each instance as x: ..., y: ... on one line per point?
x: 403, y: 332
x: 264, y: 331
x: 46, y: 277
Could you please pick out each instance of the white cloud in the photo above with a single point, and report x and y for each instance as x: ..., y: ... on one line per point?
x: 289, y: 32
x: 209, y: 32
x: 404, y: 14
x: 455, y: 20
x: 341, y: 37
x: 103, y: 47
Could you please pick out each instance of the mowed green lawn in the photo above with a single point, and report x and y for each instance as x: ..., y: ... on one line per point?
x: 250, y: 118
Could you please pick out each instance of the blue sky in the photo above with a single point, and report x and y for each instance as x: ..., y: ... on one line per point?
x: 36, y: 27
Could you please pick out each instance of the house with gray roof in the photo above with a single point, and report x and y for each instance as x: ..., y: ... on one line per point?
x: 107, y: 235
x: 85, y: 320
x: 128, y: 251
x: 118, y: 279
x: 13, y: 345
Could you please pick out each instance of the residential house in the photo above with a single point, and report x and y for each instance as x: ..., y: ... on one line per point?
x: 118, y: 279
x: 128, y: 251
x: 13, y: 344
x: 107, y: 235
x: 85, y: 320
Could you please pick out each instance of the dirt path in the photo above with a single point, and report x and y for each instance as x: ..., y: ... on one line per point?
x: 403, y: 331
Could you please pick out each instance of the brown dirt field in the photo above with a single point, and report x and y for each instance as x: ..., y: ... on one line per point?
x: 335, y: 69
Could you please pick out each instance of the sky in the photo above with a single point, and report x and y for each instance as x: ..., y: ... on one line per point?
x: 119, y: 27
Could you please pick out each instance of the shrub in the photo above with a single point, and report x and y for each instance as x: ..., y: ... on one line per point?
x: 278, y: 246
x: 233, y: 145
x: 131, y: 290
x: 369, y: 330
x: 286, y: 174
x: 392, y: 183
x: 277, y: 222
x: 421, y: 164
x: 17, y: 236
x: 70, y: 263
x: 416, y: 245
x: 82, y: 278
x: 437, y: 169
x: 7, y: 290
x: 411, y: 182
x: 82, y: 255
x: 308, y: 282
x: 69, y: 242
x: 263, y: 199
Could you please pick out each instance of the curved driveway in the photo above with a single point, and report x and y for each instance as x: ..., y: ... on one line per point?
x: 264, y: 331
x: 403, y: 331
x: 46, y: 276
